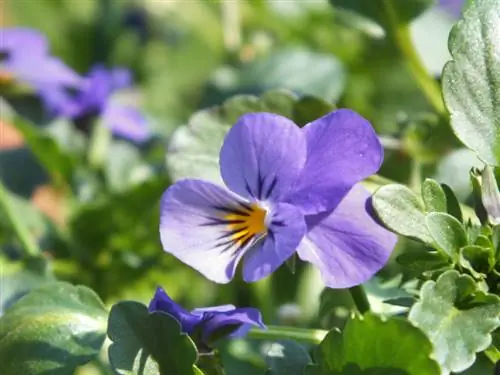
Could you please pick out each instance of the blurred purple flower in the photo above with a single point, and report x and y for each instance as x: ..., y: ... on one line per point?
x: 453, y: 7
x: 290, y: 190
x: 94, y: 98
x: 24, y: 57
x: 208, y: 321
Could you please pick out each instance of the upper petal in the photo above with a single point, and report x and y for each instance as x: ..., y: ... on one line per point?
x: 286, y: 229
x: 162, y: 302
x: 346, y: 244
x: 342, y: 150
x: 262, y: 156
x: 194, y: 229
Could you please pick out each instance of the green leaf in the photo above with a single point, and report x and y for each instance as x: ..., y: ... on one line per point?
x: 457, y: 333
x: 299, y: 70
x: 452, y: 204
x: 148, y: 344
x: 368, y: 343
x: 58, y: 163
x: 471, y: 83
x: 378, y: 10
x: 310, y: 108
x: 434, y: 196
x: 52, y: 330
x: 477, y: 259
x: 447, y: 232
x: 421, y: 261
x: 286, y: 357
x: 20, y: 277
x: 401, y: 211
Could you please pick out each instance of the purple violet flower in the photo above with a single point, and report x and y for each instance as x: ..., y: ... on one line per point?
x: 24, y: 57
x: 453, y: 7
x: 289, y: 189
x: 94, y: 98
x: 208, y: 321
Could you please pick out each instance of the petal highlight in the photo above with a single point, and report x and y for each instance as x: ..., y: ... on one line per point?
x: 197, y: 225
x: 262, y: 156
x: 342, y: 150
x: 346, y: 244
x: 286, y: 228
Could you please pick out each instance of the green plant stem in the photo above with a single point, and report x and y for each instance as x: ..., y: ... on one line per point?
x: 360, y: 299
x: 29, y: 244
x: 311, y: 336
x: 400, y: 34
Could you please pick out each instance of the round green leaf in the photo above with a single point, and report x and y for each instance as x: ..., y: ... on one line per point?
x: 298, y: 70
x: 286, y: 357
x: 457, y: 332
x: 148, y: 344
x: 434, y: 196
x: 368, y: 343
x: 400, y: 210
x: 471, y: 81
x: 19, y: 277
x: 448, y: 233
x: 52, y: 330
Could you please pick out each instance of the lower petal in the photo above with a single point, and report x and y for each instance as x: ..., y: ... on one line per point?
x: 285, y: 231
x: 126, y: 122
x: 189, y: 229
x: 240, y: 318
x: 346, y: 244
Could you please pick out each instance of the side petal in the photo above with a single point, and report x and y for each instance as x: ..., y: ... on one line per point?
x: 342, y: 150
x: 346, y: 244
x: 193, y: 228
x: 286, y: 230
x: 23, y: 41
x: 162, y: 302
x: 240, y: 318
x: 262, y: 156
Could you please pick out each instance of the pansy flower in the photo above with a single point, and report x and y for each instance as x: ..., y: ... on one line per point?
x: 94, y: 98
x: 206, y: 324
x: 24, y: 58
x: 288, y: 190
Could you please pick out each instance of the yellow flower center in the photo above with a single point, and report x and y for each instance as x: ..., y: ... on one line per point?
x: 246, y: 224
x: 6, y: 78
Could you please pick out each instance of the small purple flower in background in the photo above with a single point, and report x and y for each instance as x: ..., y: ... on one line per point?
x: 453, y: 7
x: 207, y: 322
x: 24, y: 57
x: 94, y: 98
x: 289, y: 190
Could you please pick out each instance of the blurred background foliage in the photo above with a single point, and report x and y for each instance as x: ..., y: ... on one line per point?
x: 90, y: 202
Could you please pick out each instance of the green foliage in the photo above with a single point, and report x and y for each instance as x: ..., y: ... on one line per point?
x: 367, y: 345
x: 434, y: 196
x: 471, y: 81
x: 457, y: 318
x: 379, y: 10
x: 52, y: 330
x: 285, y: 357
x: 148, y: 344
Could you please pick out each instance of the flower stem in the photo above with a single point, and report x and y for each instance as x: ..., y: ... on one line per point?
x: 400, y: 33
x: 311, y: 336
x: 360, y: 299
x: 29, y: 245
